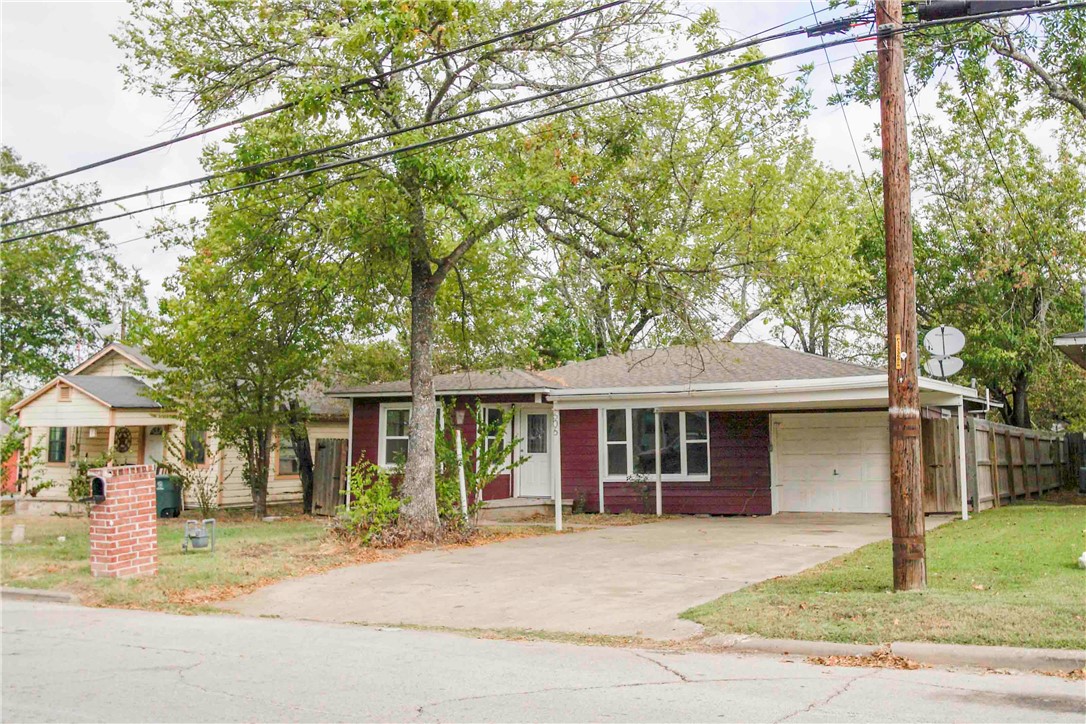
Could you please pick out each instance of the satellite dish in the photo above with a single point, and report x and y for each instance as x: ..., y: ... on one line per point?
x: 943, y: 341
x: 943, y: 366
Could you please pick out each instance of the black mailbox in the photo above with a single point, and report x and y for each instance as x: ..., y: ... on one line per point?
x: 97, y: 491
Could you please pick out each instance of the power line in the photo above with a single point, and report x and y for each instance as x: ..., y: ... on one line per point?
x: 511, y: 122
x: 341, y: 89
x: 627, y: 75
x: 443, y: 140
x: 848, y: 127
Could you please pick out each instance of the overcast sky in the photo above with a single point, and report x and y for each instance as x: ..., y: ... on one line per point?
x: 63, y: 104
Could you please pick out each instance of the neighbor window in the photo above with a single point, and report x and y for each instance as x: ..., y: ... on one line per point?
x: 195, y: 445
x: 288, y: 459
x: 394, y: 435
x: 58, y: 444
x: 630, y: 443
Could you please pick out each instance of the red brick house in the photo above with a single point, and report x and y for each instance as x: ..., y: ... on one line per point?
x: 722, y: 428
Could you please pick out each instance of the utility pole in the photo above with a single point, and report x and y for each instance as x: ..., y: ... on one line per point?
x: 906, y: 488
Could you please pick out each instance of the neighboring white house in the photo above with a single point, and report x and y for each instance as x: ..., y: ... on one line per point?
x: 102, y: 404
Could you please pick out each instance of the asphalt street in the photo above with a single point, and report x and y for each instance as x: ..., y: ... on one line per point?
x: 65, y: 663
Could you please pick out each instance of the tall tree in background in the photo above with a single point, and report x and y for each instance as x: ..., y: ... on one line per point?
x: 1002, y: 250
x: 426, y: 210
x: 58, y: 290
x: 251, y: 313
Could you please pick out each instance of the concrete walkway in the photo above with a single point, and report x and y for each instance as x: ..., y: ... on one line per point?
x: 626, y: 581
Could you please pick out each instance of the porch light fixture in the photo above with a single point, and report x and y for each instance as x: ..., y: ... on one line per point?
x: 92, y: 432
x: 459, y: 413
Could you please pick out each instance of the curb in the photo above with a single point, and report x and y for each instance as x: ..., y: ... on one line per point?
x: 992, y: 657
x: 985, y: 657
x: 33, y: 594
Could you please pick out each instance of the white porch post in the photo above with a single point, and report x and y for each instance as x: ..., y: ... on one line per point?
x: 556, y: 467
x: 659, y: 467
x: 961, y: 460
x: 350, y: 450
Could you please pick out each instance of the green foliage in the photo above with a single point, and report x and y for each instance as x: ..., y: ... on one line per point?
x: 1038, y: 63
x: 373, y: 508
x: 200, y: 480
x: 79, y: 486
x: 480, y: 461
x: 1001, y: 250
x: 57, y: 289
x: 31, y: 458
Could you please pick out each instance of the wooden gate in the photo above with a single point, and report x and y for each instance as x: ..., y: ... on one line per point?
x: 329, y: 475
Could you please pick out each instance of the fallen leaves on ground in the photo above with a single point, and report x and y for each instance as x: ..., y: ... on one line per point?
x: 1074, y: 675
x: 881, y: 659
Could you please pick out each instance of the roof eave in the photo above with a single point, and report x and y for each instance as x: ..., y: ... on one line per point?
x: 349, y: 394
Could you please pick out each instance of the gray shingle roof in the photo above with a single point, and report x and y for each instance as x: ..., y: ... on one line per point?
x: 500, y: 379
x: 711, y: 363
x: 126, y: 392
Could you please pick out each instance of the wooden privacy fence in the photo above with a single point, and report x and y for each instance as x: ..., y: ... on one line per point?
x: 1002, y: 463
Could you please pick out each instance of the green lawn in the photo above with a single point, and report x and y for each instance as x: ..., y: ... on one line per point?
x: 1006, y: 577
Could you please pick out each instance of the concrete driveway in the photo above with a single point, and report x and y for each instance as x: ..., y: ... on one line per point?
x: 627, y: 581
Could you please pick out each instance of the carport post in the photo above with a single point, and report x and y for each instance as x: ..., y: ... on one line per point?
x: 659, y: 467
x: 962, y: 474
x: 556, y: 467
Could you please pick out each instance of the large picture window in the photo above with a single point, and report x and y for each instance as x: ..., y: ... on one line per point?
x: 393, y: 443
x: 58, y: 444
x: 629, y: 444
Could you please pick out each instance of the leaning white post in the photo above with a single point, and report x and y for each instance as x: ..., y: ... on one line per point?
x: 961, y: 460
x: 460, y: 473
x: 556, y: 468
x: 659, y: 468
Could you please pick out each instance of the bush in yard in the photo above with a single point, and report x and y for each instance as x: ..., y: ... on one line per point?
x: 201, y: 481
x: 373, y: 508
x: 490, y: 454
x: 79, y: 487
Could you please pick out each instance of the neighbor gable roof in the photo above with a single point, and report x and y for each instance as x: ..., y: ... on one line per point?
x: 708, y: 364
x: 134, y: 355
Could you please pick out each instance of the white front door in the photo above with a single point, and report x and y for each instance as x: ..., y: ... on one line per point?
x: 534, y: 476
x: 153, y: 446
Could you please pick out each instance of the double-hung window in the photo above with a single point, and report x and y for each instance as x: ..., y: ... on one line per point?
x: 393, y: 443
x: 58, y: 444
x: 629, y: 444
x: 493, y: 432
x: 288, y: 458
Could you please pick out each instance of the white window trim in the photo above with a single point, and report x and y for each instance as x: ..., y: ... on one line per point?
x: 382, y: 428
x: 666, y: 477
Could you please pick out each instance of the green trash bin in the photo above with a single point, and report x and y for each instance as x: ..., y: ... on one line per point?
x: 167, y: 496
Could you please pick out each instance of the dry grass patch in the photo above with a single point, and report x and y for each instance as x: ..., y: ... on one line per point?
x: 249, y: 554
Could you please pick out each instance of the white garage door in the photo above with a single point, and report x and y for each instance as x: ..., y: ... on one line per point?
x: 831, y: 462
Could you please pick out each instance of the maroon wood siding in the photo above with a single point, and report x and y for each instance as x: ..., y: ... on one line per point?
x: 739, y: 482
x: 580, y: 438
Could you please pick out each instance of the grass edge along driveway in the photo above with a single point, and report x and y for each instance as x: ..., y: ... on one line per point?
x: 1006, y: 577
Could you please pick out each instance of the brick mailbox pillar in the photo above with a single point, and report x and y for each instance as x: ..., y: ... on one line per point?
x: 123, y: 524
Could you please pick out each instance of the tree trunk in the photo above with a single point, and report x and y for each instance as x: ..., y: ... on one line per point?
x: 299, y: 440
x: 419, y: 513
x: 1021, y: 401
x: 257, y: 464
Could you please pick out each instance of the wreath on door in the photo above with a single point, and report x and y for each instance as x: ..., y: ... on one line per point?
x: 122, y: 440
